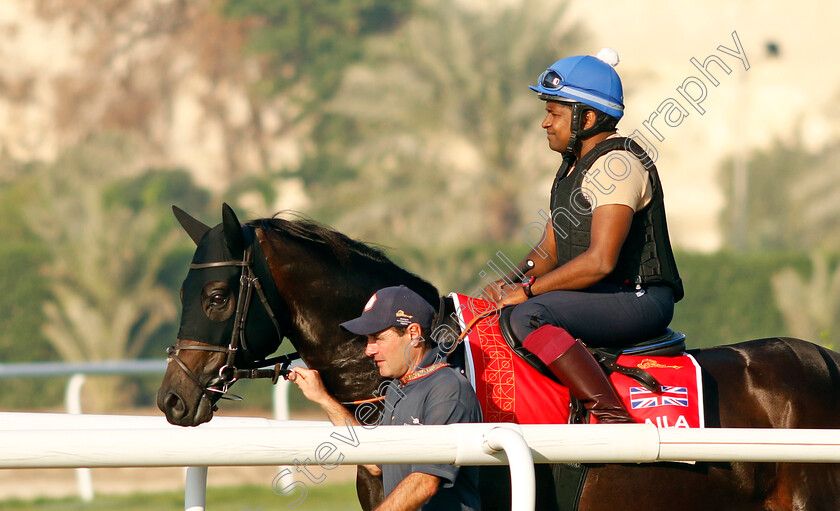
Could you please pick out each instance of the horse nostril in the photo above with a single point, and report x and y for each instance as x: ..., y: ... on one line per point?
x: 174, y: 405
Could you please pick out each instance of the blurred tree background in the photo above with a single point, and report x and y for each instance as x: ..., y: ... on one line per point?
x: 793, y: 212
x: 399, y: 122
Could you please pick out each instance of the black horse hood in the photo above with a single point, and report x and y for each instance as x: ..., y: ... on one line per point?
x: 210, y: 294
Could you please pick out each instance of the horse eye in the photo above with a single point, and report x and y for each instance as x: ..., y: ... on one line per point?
x: 216, y: 302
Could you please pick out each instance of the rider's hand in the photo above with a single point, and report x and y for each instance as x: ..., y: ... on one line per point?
x: 493, y: 291
x: 502, y: 293
x: 511, y: 294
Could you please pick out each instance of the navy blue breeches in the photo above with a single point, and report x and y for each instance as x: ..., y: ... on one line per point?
x: 604, y: 315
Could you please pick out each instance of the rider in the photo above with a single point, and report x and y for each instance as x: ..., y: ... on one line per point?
x: 604, y: 271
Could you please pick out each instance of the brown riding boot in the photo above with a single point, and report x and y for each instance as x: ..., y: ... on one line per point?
x: 578, y: 370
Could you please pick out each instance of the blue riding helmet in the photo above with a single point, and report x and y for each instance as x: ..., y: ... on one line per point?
x: 587, y: 80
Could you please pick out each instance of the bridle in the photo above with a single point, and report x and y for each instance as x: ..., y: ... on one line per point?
x: 229, y: 373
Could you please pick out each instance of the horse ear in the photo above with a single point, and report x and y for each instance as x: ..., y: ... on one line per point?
x: 234, y: 239
x: 194, y: 228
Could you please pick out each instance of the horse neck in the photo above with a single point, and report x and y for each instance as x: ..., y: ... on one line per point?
x: 319, y: 293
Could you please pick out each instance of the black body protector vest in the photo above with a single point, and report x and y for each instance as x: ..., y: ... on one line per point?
x: 646, y: 257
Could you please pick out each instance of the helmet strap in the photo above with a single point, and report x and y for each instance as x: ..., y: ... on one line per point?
x: 603, y: 123
x: 576, y: 127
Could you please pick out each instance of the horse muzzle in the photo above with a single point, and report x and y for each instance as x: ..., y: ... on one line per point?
x: 181, y: 410
x: 183, y: 399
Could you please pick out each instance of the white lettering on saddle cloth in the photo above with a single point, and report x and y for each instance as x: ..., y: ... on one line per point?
x: 662, y: 422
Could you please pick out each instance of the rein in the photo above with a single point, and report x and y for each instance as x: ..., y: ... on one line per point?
x: 469, y: 326
x: 228, y: 374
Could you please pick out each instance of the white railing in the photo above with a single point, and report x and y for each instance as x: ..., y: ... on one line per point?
x: 73, y: 391
x: 53, y: 440
x: 78, y: 370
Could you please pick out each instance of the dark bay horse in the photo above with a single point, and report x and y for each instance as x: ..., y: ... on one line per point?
x: 251, y: 285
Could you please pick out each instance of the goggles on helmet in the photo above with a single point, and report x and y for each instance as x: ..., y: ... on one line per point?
x: 551, y: 80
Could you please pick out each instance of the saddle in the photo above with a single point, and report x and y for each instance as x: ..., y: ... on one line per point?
x: 670, y: 343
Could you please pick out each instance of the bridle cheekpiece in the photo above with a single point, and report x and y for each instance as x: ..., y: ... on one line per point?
x: 228, y: 374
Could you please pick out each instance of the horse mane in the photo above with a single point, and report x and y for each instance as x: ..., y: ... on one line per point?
x: 347, y: 251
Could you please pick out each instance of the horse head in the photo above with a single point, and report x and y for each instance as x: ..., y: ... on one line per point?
x: 228, y: 318
x: 249, y: 286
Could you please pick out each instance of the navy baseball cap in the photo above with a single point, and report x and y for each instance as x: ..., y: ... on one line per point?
x: 391, y: 306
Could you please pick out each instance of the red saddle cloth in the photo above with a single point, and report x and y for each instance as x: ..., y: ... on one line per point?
x: 511, y: 390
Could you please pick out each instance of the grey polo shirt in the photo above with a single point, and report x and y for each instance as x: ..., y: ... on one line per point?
x: 443, y: 396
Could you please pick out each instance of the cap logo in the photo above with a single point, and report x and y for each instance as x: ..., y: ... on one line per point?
x: 403, y: 318
x: 370, y: 302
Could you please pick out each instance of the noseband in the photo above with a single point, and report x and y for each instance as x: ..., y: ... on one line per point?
x: 229, y: 373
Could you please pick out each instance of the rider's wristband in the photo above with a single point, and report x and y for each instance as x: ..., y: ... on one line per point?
x: 527, y: 282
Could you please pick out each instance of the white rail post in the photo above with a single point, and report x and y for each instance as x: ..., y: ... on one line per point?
x: 280, y: 402
x: 73, y: 405
x: 195, y: 492
x: 522, y: 483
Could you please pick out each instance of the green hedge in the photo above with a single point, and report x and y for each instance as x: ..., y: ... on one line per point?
x: 729, y: 297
